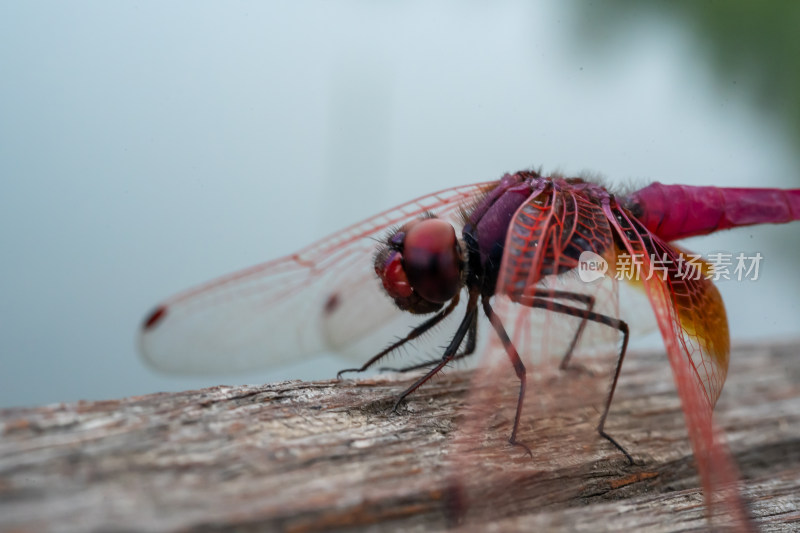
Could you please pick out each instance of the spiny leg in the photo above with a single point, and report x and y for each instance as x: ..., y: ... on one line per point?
x: 469, y: 349
x: 413, y: 334
x: 519, y: 368
x: 622, y: 326
x: 452, y: 348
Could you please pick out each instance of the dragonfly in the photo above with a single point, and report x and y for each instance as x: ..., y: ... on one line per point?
x: 469, y: 256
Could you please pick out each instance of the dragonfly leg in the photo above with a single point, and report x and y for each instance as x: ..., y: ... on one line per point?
x: 452, y: 348
x: 621, y: 325
x: 519, y: 368
x: 469, y: 349
x: 586, y: 299
x: 413, y: 334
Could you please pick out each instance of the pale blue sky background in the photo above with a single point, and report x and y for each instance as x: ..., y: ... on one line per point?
x: 149, y: 146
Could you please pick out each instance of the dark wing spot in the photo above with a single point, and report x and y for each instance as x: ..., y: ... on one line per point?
x: 155, y: 317
x: 332, y: 303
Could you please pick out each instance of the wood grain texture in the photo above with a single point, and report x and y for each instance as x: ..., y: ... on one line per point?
x: 328, y: 455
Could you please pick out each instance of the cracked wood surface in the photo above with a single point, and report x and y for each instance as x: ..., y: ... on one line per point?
x: 317, y: 456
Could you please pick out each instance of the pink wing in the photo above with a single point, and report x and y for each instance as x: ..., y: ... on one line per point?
x: 689, y: 312
x: 324, y: 297
x: 693, y: 324
x: 687, y: 305
x: 546, y: 237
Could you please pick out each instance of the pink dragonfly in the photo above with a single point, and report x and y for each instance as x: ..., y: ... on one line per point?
x: 489, y: 247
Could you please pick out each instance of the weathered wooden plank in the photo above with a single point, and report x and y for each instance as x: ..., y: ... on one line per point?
x: 324, y: 455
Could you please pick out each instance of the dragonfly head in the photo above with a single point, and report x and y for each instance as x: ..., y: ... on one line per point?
x: 421, y: 265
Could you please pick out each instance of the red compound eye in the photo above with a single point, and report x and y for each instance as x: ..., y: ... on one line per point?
x: 432, y: 260
x: 394, y: 279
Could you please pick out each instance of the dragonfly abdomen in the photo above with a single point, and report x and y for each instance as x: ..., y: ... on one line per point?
x: 678, y: 211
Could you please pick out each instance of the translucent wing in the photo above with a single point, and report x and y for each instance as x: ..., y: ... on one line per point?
x: 693, y: 324
x: 324, y: 297
x: 546, y: 238
x: 537, y: 286
x: 687, y: 305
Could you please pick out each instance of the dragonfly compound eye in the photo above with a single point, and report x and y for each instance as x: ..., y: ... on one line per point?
x: 432, y: 260
x: 421, y: 265
x: 392, y: 275
x: 389, y: 268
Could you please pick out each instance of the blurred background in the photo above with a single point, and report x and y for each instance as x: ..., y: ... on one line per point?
x: 146, y: 146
